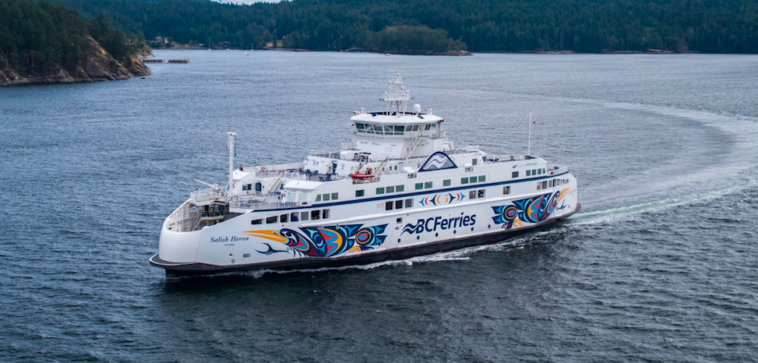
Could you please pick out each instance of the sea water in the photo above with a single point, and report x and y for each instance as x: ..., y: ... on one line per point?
x: 660, y: 265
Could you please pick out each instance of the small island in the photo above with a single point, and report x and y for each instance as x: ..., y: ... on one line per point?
x: 49, y: 43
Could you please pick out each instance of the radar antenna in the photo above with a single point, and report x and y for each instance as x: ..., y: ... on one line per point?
x: 397, y: 96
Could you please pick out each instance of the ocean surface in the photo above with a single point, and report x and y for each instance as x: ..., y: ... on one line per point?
x: 661, y: 265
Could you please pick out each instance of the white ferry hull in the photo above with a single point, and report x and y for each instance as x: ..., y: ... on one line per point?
x: 235, y: 246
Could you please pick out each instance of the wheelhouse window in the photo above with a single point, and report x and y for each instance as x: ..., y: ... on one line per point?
x: 464, y: 180
x: 482, y: 178
x: 419, y: 186
x: 446, y: 183
x: 428, y: 185
x: 514, y: 174
x: 335, y: 196
x: 399, y: 188
x: 390, y: 189
x: 359, y: 193
x: 380, y: 191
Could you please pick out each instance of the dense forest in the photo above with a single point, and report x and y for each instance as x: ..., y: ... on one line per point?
x: 424, y: 26
x: 39, y: 38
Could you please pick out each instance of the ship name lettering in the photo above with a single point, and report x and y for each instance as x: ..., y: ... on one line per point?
x: 432, y: 224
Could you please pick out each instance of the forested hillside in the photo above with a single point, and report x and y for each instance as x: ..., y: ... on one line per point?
x: 423, y: 26
x: 43, y: 40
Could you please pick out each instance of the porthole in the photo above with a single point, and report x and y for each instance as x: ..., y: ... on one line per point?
x: 398, y: 240
x: 472, y: 229
x: 418, y: 237
x: 489, y: 226
x: 436, y: 235
x: 454, y: 231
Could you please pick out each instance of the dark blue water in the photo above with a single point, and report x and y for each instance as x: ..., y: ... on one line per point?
x: 661, y: 265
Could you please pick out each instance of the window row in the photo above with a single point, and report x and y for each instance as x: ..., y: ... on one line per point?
x: 424, y: 185
x: 473, y: 194
x: 313, y: 215
x: 535, y: 172
x: 391, y: 129
x: 389, y: 190
x: 250, y: 187
x: 398, y: 204
x: 327, y: 197
x: 473, y: 179
x: 551, y: 183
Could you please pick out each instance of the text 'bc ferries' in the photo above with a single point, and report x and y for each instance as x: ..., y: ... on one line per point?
x: 399, y: 189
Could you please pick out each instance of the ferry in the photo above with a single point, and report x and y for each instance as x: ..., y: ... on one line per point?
x: 400, y: 189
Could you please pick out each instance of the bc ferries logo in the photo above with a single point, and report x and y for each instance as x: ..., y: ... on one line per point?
x: 432, y: 224
x: 438, y: 161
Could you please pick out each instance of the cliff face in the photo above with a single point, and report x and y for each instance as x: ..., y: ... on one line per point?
x: 98, y: 66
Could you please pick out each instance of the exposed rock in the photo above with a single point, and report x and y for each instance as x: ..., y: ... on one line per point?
x: 98, y: 66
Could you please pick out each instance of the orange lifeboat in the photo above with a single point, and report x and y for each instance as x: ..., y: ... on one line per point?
x: 361, y: 176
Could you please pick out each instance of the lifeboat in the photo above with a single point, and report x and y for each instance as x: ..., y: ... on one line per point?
x: 361, y: 176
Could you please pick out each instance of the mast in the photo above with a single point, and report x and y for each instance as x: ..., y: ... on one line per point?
x: 232, y: 152
x: 529, y: 143
x: 397, y: 96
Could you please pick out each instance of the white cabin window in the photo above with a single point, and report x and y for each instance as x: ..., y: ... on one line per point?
x: 270, y: 220
x: 390, y: 189
x: 506, y: 190
x: 419, y: 186
x: 399, y: 188
x: 318, y: 197
x: 464, y: 180
x: 256, y: 221
x: 409, y: 203
x: 291, y: 197
x: 514, y: 174
x: 315, y: 215
x: 528, y: 173
x: 399, y: 204
x: 388, y: 205
x: 325, y: 213
x: 428, y: 185
x: 303, y: 216
x: 283, y: 218
x: 446, y: 183
x: 472, y: 194
x: 335, y: 196
x: 327, y: 197
x: 482, y: 178
x: 302, y: 197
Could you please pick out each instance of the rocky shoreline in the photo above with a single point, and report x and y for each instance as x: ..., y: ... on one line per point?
x: 99, y: 66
